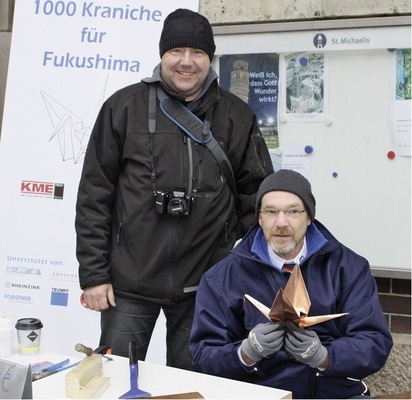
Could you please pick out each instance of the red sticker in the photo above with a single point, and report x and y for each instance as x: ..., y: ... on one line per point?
x: 391, y: 155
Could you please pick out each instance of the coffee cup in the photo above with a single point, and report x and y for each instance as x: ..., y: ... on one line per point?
x: 28, y: 335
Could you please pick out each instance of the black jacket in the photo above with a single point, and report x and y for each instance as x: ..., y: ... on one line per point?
x: 121, y: 239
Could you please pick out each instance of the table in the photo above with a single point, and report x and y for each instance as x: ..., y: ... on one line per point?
x: 154, y: 378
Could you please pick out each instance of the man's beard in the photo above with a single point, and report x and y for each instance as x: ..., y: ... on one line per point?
x: 283, y: 249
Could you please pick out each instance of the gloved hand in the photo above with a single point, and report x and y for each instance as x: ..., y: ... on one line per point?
x: 264, y: 340
x: 304, y: 346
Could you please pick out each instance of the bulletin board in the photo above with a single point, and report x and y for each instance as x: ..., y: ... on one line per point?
x: 357, y: 148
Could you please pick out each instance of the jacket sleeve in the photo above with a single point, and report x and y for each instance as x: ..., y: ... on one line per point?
x: 216, y: 334
x: 95, y: 200
x: 364, y: 341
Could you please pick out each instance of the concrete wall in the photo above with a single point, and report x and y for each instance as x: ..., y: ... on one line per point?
x: 238, y: 11
x: 395, y: 377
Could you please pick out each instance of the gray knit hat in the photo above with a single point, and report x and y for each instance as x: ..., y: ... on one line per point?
x: 186, y: 28
x: 286, y: 180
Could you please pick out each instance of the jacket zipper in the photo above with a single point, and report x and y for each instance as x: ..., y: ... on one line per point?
x: 119, y: 229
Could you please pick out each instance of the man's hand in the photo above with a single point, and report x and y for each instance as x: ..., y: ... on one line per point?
x: 304, y: 346
x: 264, y: 341
x: 98, y: 298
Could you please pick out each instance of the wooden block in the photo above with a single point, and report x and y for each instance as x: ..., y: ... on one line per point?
x: 94, y: 388
x: 86, y: 379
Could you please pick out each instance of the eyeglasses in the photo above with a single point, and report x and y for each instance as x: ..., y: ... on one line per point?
x: 289, y: 214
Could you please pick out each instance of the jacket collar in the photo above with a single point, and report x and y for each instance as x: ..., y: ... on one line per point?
x: 256, y: 242
x: 208, y: 96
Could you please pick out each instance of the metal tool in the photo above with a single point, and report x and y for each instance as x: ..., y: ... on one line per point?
x: 134, y: 392
x: 81, y: 348
x: 52, y: 369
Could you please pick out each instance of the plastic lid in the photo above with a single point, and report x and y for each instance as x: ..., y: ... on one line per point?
x: 28, y: 323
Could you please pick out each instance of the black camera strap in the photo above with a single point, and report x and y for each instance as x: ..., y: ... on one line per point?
x: 197, y: 131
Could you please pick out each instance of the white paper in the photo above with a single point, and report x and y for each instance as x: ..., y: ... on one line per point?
x: 401, y: 127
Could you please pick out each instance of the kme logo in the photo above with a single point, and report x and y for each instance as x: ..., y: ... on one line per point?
x: 42, y: 189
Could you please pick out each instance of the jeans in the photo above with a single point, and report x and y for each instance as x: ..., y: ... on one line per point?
x: 134, y: 321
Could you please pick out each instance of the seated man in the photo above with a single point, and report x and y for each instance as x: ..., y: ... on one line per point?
x: 232, y: 338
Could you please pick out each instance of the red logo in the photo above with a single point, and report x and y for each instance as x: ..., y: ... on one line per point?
x: 44, y: 189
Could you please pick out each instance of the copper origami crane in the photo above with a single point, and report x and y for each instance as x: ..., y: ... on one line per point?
x: 292, y: 303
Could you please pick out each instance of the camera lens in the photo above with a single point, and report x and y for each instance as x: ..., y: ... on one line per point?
x: 177, y: 206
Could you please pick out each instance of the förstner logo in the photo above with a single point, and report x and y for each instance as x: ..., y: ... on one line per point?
x: 42, y: 189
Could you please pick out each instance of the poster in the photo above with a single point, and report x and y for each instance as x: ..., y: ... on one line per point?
x: 401, y: 106
x: 305, y: 87
x: 66, y: 58
x: 255, y: 79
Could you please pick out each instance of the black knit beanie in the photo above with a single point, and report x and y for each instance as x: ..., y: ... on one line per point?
x: 286, y: 180
x: 186, y: 28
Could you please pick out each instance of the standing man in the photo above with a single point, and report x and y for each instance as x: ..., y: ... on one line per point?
x: 233, y: 339
x: 155, y: 209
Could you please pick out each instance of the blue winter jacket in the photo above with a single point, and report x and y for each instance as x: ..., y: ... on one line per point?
x: 337, y: 279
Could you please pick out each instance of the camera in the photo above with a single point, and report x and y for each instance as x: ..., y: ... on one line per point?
x: 176, y: 203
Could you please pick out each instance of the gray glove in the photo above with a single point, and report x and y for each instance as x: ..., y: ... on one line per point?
x: 304, y: 346
x: 264, y: 340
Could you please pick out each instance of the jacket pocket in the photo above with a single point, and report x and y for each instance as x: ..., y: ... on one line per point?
x: 338, y: 388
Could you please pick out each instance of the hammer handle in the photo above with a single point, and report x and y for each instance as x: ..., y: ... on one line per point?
x: 81, y: 348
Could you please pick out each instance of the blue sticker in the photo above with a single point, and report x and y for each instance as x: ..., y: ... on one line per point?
x: 335, y: 174
x: 303, y: 61
x: 308, y: 149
